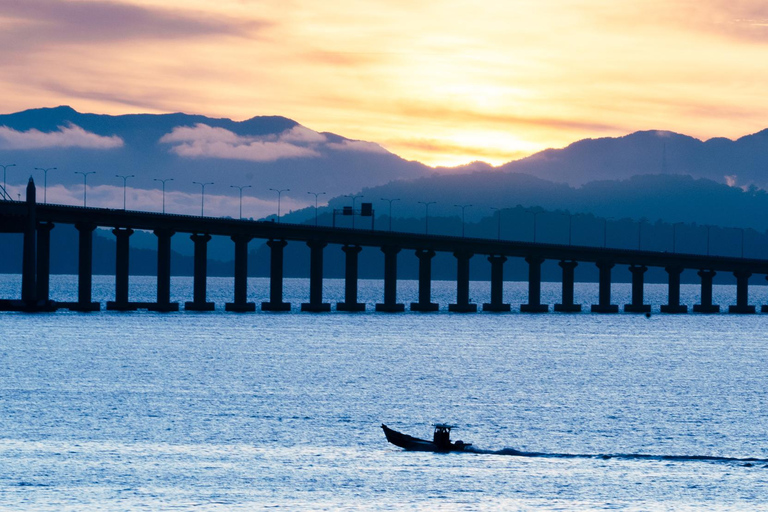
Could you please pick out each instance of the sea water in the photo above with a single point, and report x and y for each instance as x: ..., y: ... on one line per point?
x: 225, y: 411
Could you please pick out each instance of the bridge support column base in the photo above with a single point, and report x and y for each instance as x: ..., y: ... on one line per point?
x: 424, y: 307
x: 605, y: 308
x: 80, y: 306
x: 240, y: 307
x: 741, y: 310
x: 199, y: 306
x: 534, y: 308
x: 122, y: 306
x: 352, y: 307
x: 674, y: 308
x: 275, y: 306
x: 40, y: 306
x: 637, y: 308
x: 163, y: 307
x: 462, y: 308
x: 496, y: 308
x: 763, y: 309
x: 568, y: 308
x: 707, y: 308
x: 390, y: 308
x: 322, y: 307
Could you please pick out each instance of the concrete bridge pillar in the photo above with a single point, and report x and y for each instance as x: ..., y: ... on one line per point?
x: 567, y: 305
x: 29, y: 267
x: 241, y: 303
x: 742, y: 293
x: 604, y: 300
x: 673, y: 305
x: 84, y: 270
x: 163, y: 273
x: 764, y: 308
x: 706, y: 305
x: 199, y: 302
x: 638, y: 278
x: 44, y: 261
x: 534, y: 287
x: 462, y: 285
x: 425, y: 282
x: 316, y: 304
x: 350, y: 280
x: 276, y: 278
x: 497, y: 285
x: 122, y: 252
x: 390, y: 304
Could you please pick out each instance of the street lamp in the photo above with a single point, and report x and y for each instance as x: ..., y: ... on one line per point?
x: 5, y: 190
x: 535, y: 214
x: 463, y: 207
x: 390, y: 209
x: 241, y: 196
x: 426, y: 217
x: 45, y: 181
x: 125, y: 182
x: 353, y: 197
x: 85, y: 183
x: 202, y: 197
x: 279, y: 194
x: 163, y: 182
x: 639, y: 234
x: 498, y: 226
x: 316, y: 194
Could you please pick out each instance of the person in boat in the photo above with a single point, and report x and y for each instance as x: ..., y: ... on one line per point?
x: 442, y: 436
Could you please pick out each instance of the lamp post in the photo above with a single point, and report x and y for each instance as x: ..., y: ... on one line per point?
x: 353, y: 197
x: 639, y: 234
x: 316, y: 194
x: 535, y: 214
x: 45, y: 181
x: 426, y: 217
x: 5, y: 167
x: 240, y: 188
x: 125, y: 184
x: 163, y: 182
x: 498, y: 224
x: 202, y: 196
x: 390, y: 209
x: 85, y: 184
x: 279, y: 195
x: 708, y: 228
x: 463, y: 207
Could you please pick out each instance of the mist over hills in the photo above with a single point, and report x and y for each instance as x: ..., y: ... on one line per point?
x: 263, y: 152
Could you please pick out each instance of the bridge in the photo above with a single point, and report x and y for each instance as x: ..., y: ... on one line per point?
x: 36, y: 221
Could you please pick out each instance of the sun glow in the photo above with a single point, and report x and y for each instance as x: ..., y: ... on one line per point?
x: 441, y: 82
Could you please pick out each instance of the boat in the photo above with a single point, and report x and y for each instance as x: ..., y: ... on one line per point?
x: 441, y: 440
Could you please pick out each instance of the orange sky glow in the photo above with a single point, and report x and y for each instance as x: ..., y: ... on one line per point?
x: 442, y: 82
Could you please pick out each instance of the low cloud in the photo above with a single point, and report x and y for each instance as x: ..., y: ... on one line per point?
x: 357, y: 145
x: 203, y: 141
x: 71, y: 136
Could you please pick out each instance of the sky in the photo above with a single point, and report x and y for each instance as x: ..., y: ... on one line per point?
x: 443, y: 82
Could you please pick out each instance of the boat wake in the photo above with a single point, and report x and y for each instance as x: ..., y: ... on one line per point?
x: 745, y: 461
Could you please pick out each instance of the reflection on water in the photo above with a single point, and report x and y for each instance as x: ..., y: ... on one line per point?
x: 219, y: 411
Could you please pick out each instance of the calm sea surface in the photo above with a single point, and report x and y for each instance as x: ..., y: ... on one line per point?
x: 222, y: 411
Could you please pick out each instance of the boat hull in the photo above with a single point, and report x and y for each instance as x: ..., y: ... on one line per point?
x: 419, y: 445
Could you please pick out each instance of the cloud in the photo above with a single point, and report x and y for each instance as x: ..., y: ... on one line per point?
x: 356, y: 145
x: 71, y: 136
x: 203, y: 141
x: 30, y: 25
